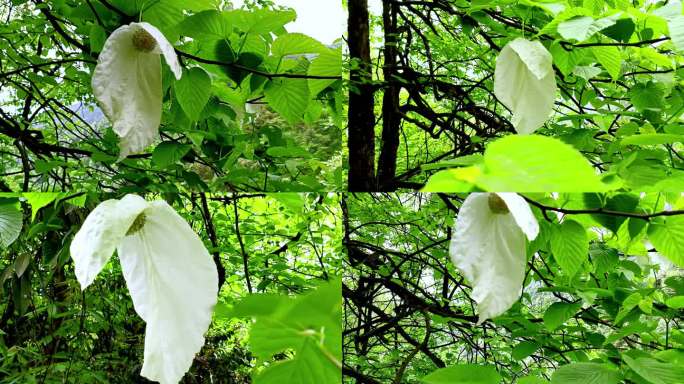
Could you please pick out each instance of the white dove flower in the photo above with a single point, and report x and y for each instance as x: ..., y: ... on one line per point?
x: 524, y: 81
x: 127, y: 83
x: 170, y: 275
x: 488, y: 246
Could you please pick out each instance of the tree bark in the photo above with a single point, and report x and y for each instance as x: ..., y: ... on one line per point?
x: 387, y: 163
x: 361, y: 118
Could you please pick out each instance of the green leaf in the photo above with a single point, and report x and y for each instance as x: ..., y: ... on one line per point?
x: 168, y: 153
x: 38, y: 200
x: 655, y: 371
x: 464, y: 374
x: 11, y: 222
x: 447, y: 181
x: 288, y: 97
x: 534, y: 163
x: 585, y: 373
x: 328, y: 63
x: 647, y: 96
x: 210, y: 25
x: 296, y: 44
x: 621, y: 31
x: 580, y: 28
x: 668, y: 238
x: 676, y: 302
x: 193, y: 91
x: 558, y: 313
x: 98, y: 36
x: 627, y: 305
x: 570, y: 246
x: 652, y: 139
x: 676, y: 27
x: 610, y: 57
x: 21, y: 263
x: 524, y: 349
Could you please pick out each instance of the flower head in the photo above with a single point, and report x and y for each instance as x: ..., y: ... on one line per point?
x: 488, y: 246
x: 127, y: 83
x: 170, y: 275
x: 524, y: 82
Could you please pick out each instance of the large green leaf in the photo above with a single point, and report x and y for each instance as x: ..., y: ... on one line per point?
x: 288, y: 97
x: 213, y: 25
x: 11, y: 221
x: 668, y: 238
x: 610, y: 57
x: 193, y: 91
x: 585, y: 373
x: 524, y: 349
x: 558, y: 313
x: 464, y: 374
x: 296, y: 44
x: 580, y: 28
x: 535, y: 163
x: 328, y: 63
x: 676, y: 27
x: 655, y: 371
x: 570, y: 246
x: 168, y: 153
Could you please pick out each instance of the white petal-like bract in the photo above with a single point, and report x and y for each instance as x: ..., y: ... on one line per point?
x: 101, y: 233
x: 173, y: 282
x: 490, y: 250
x: 127, y: 84
x: 524, y: 81
x: 522, y: 213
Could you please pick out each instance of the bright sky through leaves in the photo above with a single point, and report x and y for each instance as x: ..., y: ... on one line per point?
x: 324, y: 20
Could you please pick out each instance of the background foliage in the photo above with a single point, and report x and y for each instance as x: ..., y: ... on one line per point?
x: 271, y: 246
x: 602, y: 299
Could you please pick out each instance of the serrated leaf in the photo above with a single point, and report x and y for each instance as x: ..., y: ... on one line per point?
x: 168, y: 153
x: 668, y: 238
x: 610, y: 57
x: 524, y: 349
x: 585, y: 373
x: 654, y: 371
x: 212, y: 25
x: 676, y: 27
x: 570, y: 246
x: 328, y: 63
x: 296, y: 44
x: 558, y: 313
x: 193, y: 91
x: 288, y: 97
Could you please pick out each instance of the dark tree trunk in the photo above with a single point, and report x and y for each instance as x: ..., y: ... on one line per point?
x: 361, y: 117
x: 387, y: 163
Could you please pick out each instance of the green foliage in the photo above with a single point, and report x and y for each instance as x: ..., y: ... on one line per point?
x: 308, y: 326
x: 601, y: 301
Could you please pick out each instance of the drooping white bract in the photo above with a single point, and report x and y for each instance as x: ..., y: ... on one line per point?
x: 172, y: 279
x: 127, y: 83
x: 524, y: 82
x: 488, y: 246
